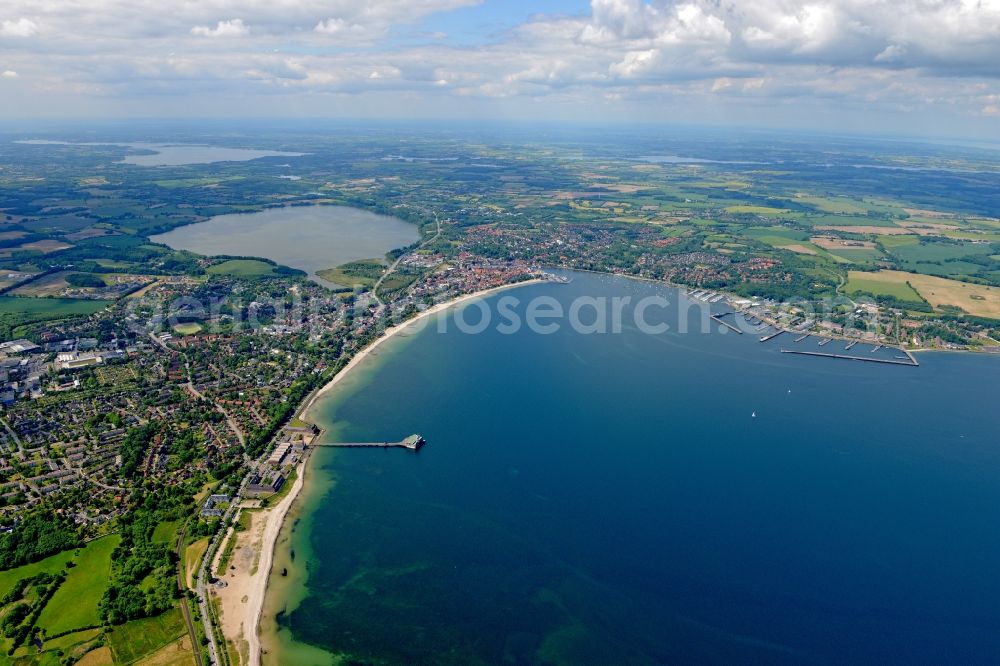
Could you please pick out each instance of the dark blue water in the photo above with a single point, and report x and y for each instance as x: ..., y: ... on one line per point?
x: 610, y: 499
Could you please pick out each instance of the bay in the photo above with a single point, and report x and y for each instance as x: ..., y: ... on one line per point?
x: 611, y: 499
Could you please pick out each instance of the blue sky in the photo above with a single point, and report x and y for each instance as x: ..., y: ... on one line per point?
x: 902, y: 66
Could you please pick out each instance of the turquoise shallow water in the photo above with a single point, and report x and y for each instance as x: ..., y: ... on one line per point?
x: 610, y: 499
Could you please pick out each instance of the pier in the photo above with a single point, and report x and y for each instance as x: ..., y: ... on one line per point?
x: 719, y: 317
x: 413, y: 443
x: 910, y: 361
x: 801, y: 337
x: 825, y: 341
x: 850, y: 344
x: 772, y: 335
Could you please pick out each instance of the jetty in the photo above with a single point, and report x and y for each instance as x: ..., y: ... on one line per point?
x: 719, y: 319
x: 909, y: 361
x: 413, y: 443
x: 772, y: 335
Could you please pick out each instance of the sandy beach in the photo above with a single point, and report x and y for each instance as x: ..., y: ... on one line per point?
x: 243, y: 598
x: 395, y: 330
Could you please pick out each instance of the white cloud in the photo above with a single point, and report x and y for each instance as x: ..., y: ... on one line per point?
x: 22, y: 27
x: 339, y: 26
x: 230, y: 28
x: 913, y: 53
x: 8, y: 74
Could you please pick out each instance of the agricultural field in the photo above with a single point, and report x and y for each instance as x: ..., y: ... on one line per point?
x: 978, y: 300
x: 47, y: 246
x: 880, y: 284
x: 843, y: 205
x: 50, y: 285
x: 11, y: 278
x: 15, y: 311
x: 40, y: 309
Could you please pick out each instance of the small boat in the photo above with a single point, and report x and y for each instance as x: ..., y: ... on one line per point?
x: 753, y: 415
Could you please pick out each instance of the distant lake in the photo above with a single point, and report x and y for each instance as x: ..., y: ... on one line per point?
x: 676, y: 159
x: 612, y: 499
x: 174, y: 154
x: 310, y: 238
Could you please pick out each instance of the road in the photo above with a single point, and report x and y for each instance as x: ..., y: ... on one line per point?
x: 185, y: 609
x: 13, y: 435
x: 395, y: 264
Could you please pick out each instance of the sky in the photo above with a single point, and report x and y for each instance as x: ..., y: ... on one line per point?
x: 917, y: 67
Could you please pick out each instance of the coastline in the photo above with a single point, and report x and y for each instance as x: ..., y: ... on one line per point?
x: 359, y: 357
x: 729, y: 296
x: 277, y: 515
x: 255, y: 601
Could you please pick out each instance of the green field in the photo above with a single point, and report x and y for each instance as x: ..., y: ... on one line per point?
x: 756, y: 210
x: 56, y: 651
x: 933, y: 252
x: 48, y: 308
x: 858, y: 282
x: 138, y: 638
x: 841, y: 220
x: 165, y: 532
x: 859, y: 255
x: 243, y: 268
x: 74, y: 605
x: 355, y: 273
x: 891, y: 241
x: 834, y: 204
x: 189, y: 328
x: 111, y: 263
x: 52, y: 564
